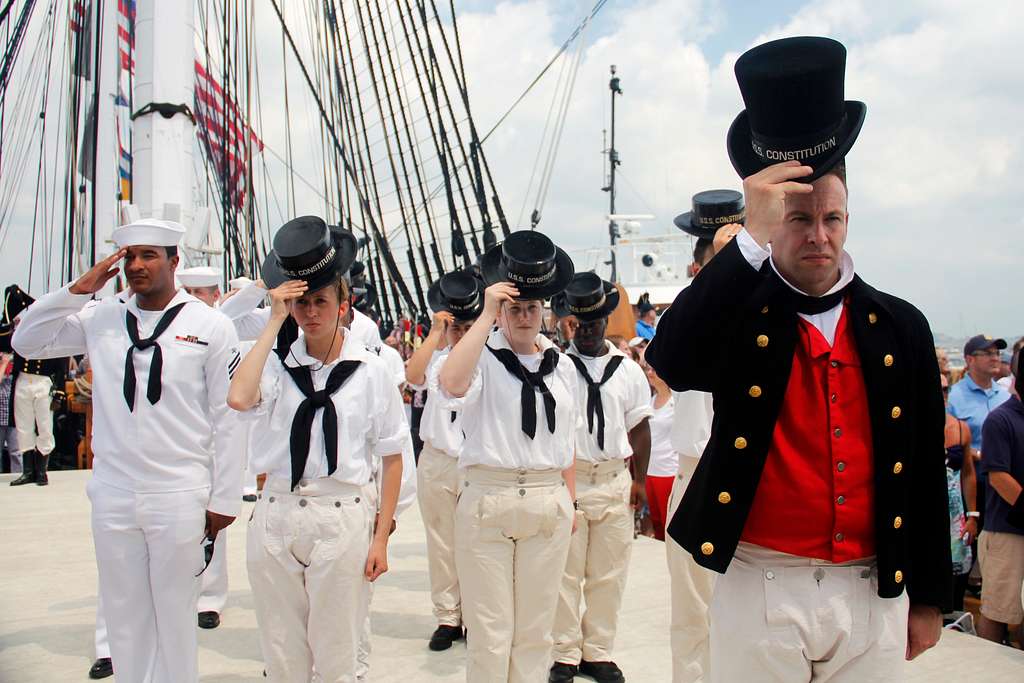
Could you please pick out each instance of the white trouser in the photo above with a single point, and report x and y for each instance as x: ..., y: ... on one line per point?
x: 214, y: 592
x: 512, y: 530
x: 597, y: 564
x: 306, y: 554
x: 32, y: 413
x: 101, y: 640
x: 9, y: 439
x: 438, y: 486
x: 777, y: 617
x: 249, y: 485
x: 149, y: 552
x: 692, y: 586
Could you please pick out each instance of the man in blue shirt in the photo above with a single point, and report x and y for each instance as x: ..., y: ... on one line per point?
x: 1001, y: 544
x: 977, y: 394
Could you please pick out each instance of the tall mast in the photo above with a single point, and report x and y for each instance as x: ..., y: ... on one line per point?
x: 613, y: 161
x: 103, y: 216
x: 163, y: 131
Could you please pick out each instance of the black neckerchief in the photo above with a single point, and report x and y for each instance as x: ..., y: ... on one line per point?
x: 531, y: 382
x: 811, y: 305
x: 302, y: 422
x: 594, y: 404
x: 154, y: 387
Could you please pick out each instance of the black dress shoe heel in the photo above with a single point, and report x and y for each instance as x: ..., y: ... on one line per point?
x: 444, y: 636
x: 209, y: 620
x: 602, y: 672
x: 101, y: 668
x: 562, y: 673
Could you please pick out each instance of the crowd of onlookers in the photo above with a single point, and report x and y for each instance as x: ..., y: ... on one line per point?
x: 984, y: 443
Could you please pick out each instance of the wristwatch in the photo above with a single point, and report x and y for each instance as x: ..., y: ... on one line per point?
x: 974, y: 513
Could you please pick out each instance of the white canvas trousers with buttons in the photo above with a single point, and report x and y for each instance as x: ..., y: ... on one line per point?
x: 597, y: 564
x: 149, y: 552
x: 438, y: 486
x: 32, y: 414
x: 778, y: 617
x: 512, y: 530
x: 692, y: 586
x: 306, y: 554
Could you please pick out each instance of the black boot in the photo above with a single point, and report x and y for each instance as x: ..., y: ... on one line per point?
x: 28, y: 469
x: 41, y: 462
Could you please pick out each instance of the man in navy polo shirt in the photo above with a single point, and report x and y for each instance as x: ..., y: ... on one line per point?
x: 1001, y: 544
x: 977, y: 394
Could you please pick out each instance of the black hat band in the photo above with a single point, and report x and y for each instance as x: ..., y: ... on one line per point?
x: 327, y: 260
x: 773, y: 150
x: 586, y: 309
x: 531, y: 279
x: 721, y: 220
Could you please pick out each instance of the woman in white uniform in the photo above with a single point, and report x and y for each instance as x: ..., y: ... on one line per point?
x: 330, y: 407
x: 513, y: 521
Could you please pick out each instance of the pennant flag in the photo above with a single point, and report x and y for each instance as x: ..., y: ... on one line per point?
x: 224, y: 134
x: 80, y: 20
x: 126, y: 34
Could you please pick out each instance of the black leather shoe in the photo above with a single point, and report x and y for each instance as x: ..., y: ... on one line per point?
x: 602, y: 672
x: 249, y: 498
x: 562, y: 672
x: 209, y: 620
x: 101, y: 668
x: 28, y: 471
x: 444, y: 636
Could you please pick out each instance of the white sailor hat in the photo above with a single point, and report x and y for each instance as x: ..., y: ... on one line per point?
x: 240, y: 282
x: 150, y: 232
x: 199, y: 276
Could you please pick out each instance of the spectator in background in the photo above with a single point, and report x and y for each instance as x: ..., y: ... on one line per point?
x: 963, y: 502
x: 1005, y: 358
x: 648, y: 316
x: 1001, y: 544
x: 1006, y: 382
x: 943, y: 358
x: 664, y: 461
x: 621, y: 344
x: 8, y: 433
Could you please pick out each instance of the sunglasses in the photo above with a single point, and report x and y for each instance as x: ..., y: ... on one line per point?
x: 207, y: 554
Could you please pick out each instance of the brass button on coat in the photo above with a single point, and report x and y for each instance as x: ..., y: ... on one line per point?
x: 897, y: 468
x: 872, y: 318
x: 897, y: 523
x: 707, y: 548
x: 740, y: 443
x: 888, y: 360
x: 898, y: 576
x: 764, y: 310
x: 724, y: 497
x: 896, y: 412
x: 762, y: 340
x: 755, y: 391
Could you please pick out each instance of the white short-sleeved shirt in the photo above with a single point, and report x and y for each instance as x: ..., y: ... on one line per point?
x: 492, y: 417
x: 626, y: 399
x: 691, y: 422
x: 371, y: 418
x: 437, y: 426
x: 664, y: 460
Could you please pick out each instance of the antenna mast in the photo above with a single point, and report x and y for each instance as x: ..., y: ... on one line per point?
x: 613, y: 161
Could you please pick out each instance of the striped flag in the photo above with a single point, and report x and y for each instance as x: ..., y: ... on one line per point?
x: 79, y: 18
x: 224, y: 134
x: 126, y: 34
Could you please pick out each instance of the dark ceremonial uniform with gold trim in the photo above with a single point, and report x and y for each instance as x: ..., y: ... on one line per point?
x: 733, y: 332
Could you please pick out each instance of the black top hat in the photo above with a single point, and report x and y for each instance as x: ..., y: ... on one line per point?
x: 306, y: 249
x: 796, y: 108
x: 460, y: 293
x: 711, y: 210
x: 364, y: 297
x: 587, y: 297
x: 531, y: 261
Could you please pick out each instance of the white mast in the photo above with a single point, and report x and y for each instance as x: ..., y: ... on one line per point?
x: 163, y: 147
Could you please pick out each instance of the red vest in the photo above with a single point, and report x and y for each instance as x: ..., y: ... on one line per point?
x: 816, y: 494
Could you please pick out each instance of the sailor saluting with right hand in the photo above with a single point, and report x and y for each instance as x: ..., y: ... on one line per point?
x: 330, y: 407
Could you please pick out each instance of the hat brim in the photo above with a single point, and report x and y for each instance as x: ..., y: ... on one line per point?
x: 747, y: 163
x: 437, y: 302
x: 611, y: 301
x: 684, y: 222
x: 344, y: 255
x: 492, y: 272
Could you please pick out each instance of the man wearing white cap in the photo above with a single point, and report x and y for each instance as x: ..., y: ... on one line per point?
x: 202, y: 282
x: 166, y: 478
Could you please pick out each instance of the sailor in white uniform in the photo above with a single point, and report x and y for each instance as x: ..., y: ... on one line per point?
x: 166, y: 478
x: 203, y: 282
x: 519, y: 400
x: 615, y: 397
x: 456, y: 299
x: 318, y: 534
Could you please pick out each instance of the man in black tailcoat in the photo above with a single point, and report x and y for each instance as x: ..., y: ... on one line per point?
x: 821, y: 495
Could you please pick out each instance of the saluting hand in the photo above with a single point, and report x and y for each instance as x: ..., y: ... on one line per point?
x: 765, y: 196
x: 495, y: 295
x: 281, y: 295
x: 99, y: 275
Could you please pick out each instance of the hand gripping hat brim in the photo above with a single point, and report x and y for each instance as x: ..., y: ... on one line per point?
x: 595, y: 311
x: 493, y: 269
x: 327, y: 267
